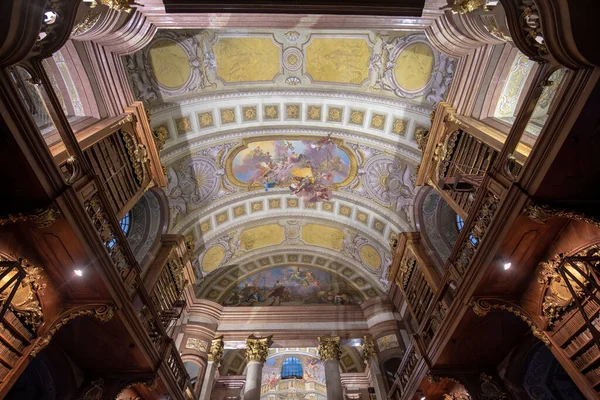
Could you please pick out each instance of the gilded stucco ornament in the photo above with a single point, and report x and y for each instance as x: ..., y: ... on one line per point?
x: 466, y: 6
x: 160, y: 136
x: 368, y: 349
x: 25, y: 302
x: 91, y: 17
x: 329, y: 348
x: 481, y: 307
x: 541, y: 213
x: 102, y: 313
x: 421, y: 137
x: 42, y: 218
x: 117, y: 5
x: 489, y: 389
x: 257, y: 349
x: 215, y: 353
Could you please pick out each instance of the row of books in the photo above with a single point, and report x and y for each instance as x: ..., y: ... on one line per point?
x: 579, y: 340
x: 3, y: 372
x: 593, y: 376
x: 8, y: 354
x: 586, y: 358
x: 575, y: 322
x: 18, y: 325
x: 15, y: 341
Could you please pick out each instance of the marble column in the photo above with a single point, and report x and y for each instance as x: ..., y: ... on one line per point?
x: 257, y: 350
x: 370, y: 357
x: 329, y: 352
x: 214, y: 359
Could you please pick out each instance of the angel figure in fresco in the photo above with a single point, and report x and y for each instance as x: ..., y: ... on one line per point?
x: 304, y: 278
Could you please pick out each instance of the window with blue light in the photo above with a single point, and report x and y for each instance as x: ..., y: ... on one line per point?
x: 460, y: 223
x: 291, y: 368
x: 125, y: 225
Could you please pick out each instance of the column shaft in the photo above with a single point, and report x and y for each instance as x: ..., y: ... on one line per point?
x: 209, y: 380
x: 253, y: 380
x: 333, y: 380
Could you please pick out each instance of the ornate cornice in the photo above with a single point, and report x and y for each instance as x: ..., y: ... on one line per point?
x: 191, y: 143
x: 244, y: 94
x: 541, y: 213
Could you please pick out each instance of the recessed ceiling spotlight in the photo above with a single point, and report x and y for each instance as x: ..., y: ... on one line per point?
x: 507, y: 265
x: 78, y: 272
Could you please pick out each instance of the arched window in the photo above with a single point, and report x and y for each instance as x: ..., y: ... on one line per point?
x: 291, y: 368
x: 125, y: 224
x: 460, y: 223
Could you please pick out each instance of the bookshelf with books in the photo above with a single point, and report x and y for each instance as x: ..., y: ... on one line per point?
x: 14, y: 339
x: 574, y: 336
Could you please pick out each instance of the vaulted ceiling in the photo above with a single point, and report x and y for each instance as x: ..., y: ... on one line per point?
x: 252, y: 116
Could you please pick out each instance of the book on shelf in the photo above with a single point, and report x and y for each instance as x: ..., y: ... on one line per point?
x: 587, y: 357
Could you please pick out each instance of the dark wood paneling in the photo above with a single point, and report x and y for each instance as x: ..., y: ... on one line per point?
x: 408, y: 8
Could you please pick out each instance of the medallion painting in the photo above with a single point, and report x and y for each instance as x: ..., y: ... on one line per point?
x: 288, y: 286
x: 311, y: 169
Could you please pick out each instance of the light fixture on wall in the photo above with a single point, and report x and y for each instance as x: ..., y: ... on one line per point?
x: 507, y: 265
x: 78, y: 272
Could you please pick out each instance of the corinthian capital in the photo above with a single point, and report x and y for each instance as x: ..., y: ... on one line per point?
x: 257, y: 349
x: 216, y: 350
x: 329, y: 348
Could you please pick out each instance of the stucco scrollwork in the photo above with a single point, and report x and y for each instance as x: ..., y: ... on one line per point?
x: 193, y: 183
x: 391, y: 183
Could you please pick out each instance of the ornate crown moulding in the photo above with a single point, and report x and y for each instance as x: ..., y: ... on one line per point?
x: 184, y: 147
x: 293, y: 93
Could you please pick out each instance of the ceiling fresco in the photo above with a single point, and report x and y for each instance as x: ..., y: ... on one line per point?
x: 290, y: 149
x: 187, y: 62
x: 289, y: 286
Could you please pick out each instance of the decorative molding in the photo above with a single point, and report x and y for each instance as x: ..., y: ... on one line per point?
x: 102, y: 313
x: 482, y: 307
x: 42, y: 218
x: 541, y: 213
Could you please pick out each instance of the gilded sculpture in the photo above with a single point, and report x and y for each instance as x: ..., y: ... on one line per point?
x: 329, y: 348
x: 257, y: 349
x: 215, y: 353
x: 368, y: 349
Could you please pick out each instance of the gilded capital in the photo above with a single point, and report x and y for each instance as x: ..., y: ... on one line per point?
x: 368, y: 349
x: 329, y: 348
x: 216, y: 350
x: 257, y: 349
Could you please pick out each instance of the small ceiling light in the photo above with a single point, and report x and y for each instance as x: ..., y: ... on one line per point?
x: 507, y: 266
x: 422, y: 398
x: 78, y: 272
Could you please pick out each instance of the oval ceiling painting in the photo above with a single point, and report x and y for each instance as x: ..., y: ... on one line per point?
x: 170, y: 63
x: 414, y: 66
x: 311, y: 168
